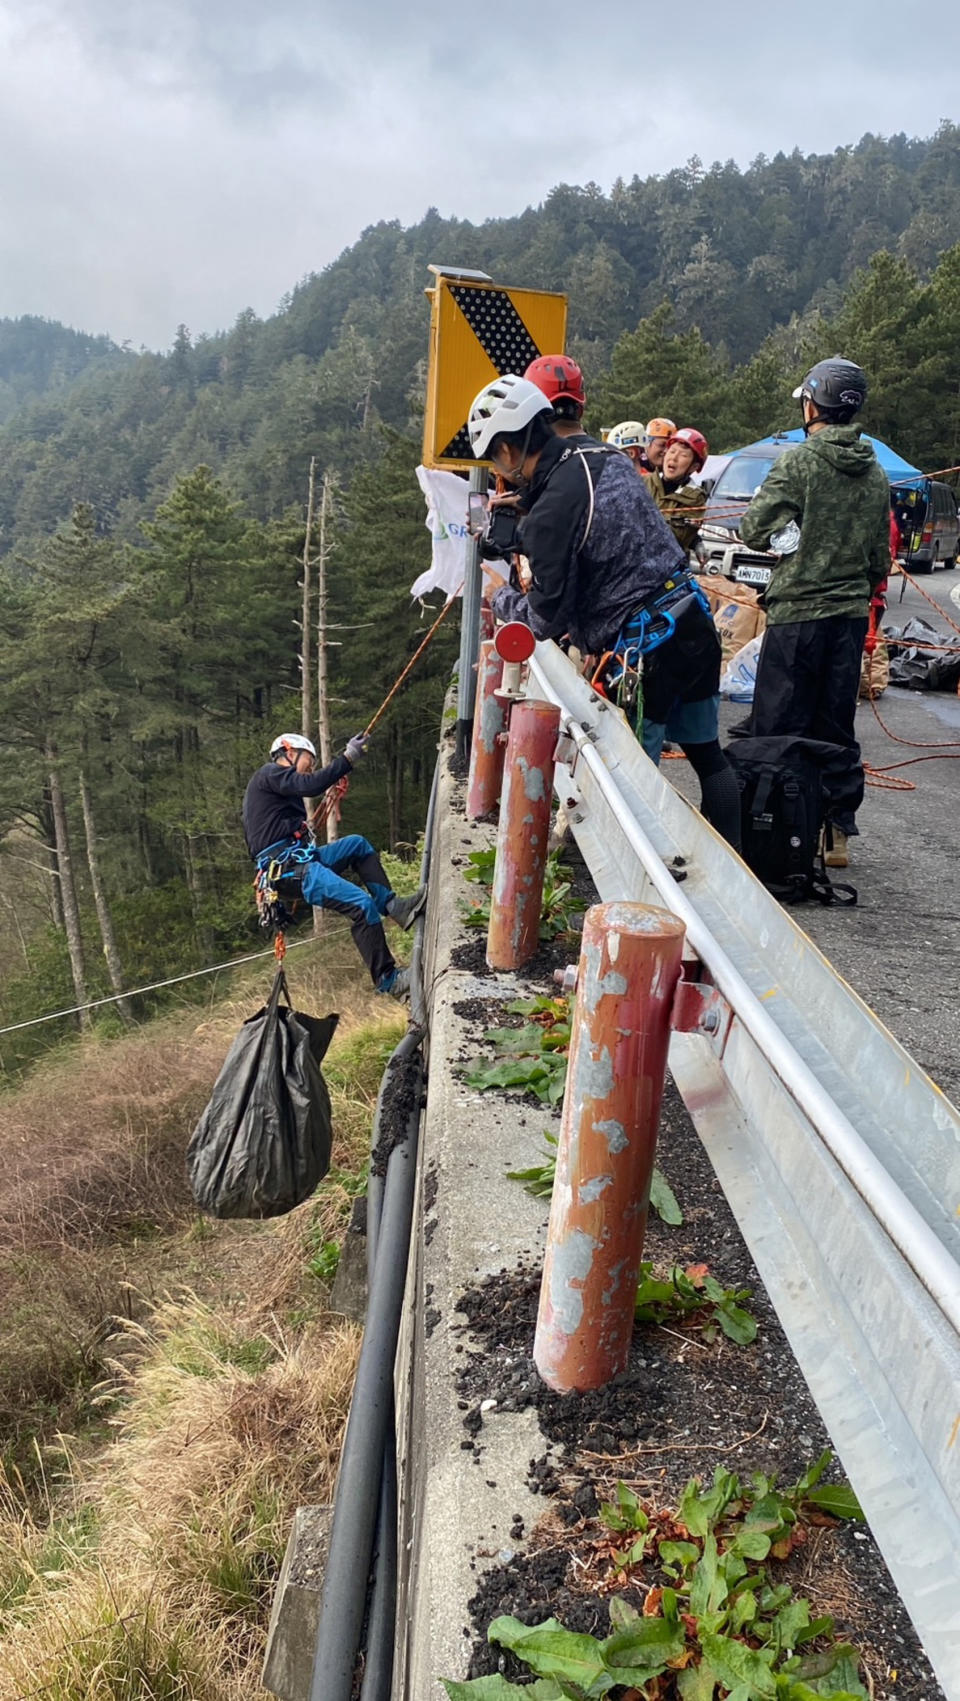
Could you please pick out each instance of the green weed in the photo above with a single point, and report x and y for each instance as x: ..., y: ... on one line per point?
x: 538, y: 1181
x: 558, y: 907
x: 203, y: 1348
x: 533, y: 1057
x: 325, y: 1261
x: 684, y: 1295
x: 717, y: 1619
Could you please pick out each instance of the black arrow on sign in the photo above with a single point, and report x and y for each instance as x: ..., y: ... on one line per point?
x: 505, y: 341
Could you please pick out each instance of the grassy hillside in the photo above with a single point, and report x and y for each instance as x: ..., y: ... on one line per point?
x: 171, y: 1388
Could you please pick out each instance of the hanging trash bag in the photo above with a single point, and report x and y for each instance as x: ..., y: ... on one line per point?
x: 263, y: 1142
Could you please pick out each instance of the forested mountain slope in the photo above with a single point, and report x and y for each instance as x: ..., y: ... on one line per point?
x: 38, y: 356
x: 152, y: 514
x: 737, y: 253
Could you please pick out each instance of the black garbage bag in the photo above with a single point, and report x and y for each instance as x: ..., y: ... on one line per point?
x: 918, y: 658
x: 264, y: 1140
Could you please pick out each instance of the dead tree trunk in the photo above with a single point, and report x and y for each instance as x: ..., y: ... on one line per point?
x: 50, y: 844
x: 306, y: 676
x: 323, y: 700
x: 68, y: 890
x: 104, y: 918
x: 394, y: 788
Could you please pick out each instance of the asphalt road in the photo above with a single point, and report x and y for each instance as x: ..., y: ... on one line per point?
x: 900, y: 947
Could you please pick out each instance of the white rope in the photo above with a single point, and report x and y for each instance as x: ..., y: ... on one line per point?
x: 135, y: 991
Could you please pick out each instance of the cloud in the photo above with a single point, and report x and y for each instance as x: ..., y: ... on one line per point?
x: 179, y: 160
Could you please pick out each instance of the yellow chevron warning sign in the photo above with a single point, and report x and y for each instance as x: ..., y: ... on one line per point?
x: 479, y: 331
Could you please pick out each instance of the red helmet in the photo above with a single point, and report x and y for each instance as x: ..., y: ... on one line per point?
x: 694, y: 440
x: 559, y: 377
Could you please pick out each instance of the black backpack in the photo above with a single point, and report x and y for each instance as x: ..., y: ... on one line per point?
x: 784, y: 783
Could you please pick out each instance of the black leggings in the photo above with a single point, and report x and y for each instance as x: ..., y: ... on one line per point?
x: 719, y: 792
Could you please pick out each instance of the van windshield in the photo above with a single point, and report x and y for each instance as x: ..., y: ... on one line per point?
x: 742, y: 478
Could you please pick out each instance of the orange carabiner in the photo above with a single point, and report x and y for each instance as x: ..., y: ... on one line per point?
x: 596, y: 683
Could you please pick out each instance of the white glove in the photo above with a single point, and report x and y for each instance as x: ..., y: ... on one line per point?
x: 356, y: 748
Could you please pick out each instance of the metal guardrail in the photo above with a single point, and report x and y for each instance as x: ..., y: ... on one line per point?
x: 840, y: 1158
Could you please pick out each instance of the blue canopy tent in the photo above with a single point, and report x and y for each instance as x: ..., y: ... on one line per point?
x: 896, y: 468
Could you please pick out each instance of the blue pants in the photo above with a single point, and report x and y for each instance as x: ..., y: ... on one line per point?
x: 323, y: 886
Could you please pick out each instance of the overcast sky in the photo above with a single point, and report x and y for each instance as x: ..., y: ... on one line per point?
x: 179, y: 160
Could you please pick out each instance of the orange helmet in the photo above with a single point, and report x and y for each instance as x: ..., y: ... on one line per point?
x: 659, y: 428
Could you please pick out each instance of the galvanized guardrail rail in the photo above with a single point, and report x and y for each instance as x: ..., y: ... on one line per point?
x: 840, y: 1158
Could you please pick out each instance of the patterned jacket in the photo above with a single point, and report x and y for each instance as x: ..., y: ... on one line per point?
x: 595, y: 543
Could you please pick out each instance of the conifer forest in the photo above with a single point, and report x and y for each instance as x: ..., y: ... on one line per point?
x: 153, y: 512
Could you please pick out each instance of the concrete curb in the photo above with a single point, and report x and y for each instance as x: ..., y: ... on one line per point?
x: 455, y: 1512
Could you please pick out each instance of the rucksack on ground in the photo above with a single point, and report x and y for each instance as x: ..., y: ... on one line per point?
x: 784, y: 785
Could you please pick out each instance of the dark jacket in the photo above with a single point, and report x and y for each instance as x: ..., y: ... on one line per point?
x: 834, y: 487
x: 590, y: 572
x: 273, y: 806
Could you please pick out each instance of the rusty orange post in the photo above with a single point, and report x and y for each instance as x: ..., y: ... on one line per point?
x: 629, y: 968
x: 489, y: 736
x: 522, y: 834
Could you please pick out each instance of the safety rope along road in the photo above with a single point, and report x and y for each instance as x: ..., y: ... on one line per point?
x: 175, y: 980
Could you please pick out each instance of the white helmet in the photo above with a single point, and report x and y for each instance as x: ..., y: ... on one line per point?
x: 508, y: 404
x: 629, y: 434
x: 292, y: 741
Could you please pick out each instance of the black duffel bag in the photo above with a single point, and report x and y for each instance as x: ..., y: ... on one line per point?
x: 784, y: 788
x: 264, y: 1141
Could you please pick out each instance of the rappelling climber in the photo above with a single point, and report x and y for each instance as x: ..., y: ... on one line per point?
x: 293, y: 868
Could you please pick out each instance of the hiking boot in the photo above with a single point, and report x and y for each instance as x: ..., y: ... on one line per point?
x: 835, y: 853
x: 396, y: 983
x: 404, y: 911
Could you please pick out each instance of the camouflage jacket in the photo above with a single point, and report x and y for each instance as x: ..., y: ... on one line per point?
x: 686, y: 526
x: 833, y: 486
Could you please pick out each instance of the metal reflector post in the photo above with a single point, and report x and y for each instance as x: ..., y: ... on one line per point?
x: 522, y: 834
x: 489, y: 737
x: 629, y: 969
x: 469, y: 627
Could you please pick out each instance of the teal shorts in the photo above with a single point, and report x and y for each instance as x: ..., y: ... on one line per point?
x: 687, y: 723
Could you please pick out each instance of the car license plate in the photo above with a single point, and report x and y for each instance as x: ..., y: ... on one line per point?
x: 747, y: 575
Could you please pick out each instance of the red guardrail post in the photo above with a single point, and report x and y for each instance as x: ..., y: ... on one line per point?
x: 489, y: 736
x: 522, y: 834
x: 629, y: 968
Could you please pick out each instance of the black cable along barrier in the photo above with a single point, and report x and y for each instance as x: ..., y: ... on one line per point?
x: 362, y: 1555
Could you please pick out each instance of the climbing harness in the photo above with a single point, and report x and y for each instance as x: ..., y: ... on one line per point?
x: 278, y: 883
x: 619, y: 677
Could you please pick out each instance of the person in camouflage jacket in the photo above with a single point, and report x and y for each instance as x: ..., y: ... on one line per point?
x: 836, y: 494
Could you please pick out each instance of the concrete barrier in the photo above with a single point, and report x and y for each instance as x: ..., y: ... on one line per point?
x: 471, y: 1222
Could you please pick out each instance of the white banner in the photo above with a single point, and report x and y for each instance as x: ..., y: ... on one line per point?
x: 446, y: 521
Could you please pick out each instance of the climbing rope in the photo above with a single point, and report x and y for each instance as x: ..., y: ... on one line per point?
x: 330, y: 803
x: 441, y: 617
